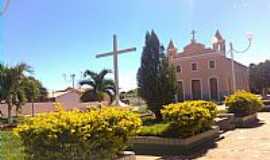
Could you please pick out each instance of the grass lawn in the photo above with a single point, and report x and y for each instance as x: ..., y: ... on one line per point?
x: 10, y: 147
x: 153, y: 127
x: 158, y: 129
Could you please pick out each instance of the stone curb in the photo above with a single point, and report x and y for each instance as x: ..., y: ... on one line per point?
x: 214, y: 132
x: 244, y: 121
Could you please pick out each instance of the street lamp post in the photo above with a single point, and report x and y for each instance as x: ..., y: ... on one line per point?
x: 232, y: 51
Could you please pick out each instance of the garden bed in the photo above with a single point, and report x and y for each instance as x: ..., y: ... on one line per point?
x: 225, y: 121
x: 245, y: 120
x: 164, y: 146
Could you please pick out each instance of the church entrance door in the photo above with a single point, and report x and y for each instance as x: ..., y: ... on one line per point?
x: 196, y: 89
x: 213, y: 89
x: 180, y: 91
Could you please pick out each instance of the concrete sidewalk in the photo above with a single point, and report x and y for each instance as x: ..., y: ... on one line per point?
x: 240, y: 144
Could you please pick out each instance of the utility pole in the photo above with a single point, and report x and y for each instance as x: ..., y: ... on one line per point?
x: 72, y: 79
x: 232, y: 51
x: 72, y: 76
x: 233, y: 69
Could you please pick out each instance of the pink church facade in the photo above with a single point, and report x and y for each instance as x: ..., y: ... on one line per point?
x: 206, y: 73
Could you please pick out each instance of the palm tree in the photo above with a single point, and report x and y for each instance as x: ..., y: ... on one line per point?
x: 99, y: 84
x: 11, y: 86
x: 32, y: 91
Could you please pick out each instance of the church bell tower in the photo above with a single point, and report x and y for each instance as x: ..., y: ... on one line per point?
x: 171, y: 51
x: 220, y: 44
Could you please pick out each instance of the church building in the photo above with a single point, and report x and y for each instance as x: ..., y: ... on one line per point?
x: 206, y: 73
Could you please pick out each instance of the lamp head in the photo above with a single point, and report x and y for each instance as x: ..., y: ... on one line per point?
x: 249, y: 36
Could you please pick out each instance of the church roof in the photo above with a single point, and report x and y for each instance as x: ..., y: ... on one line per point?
x: 59, y: 93
x: 194, y: 46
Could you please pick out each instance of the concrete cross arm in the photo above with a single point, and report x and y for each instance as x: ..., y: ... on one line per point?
x: 118, y: 52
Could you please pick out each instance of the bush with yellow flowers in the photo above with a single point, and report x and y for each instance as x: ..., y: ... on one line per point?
x: 243, y: 103
x: 98, y: 134
x: 189, y: 118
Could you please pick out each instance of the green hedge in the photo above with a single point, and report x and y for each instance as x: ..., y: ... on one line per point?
x: 189, y: 118
x: 243, y: 103
x: 10, y: 147
x: 93, y: 135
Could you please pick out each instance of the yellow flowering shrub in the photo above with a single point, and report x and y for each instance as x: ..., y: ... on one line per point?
x: 243, y: 103
x: 189, y: 118
x: 65, y: 135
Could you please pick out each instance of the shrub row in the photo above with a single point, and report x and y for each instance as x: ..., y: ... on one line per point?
x: 100, y: 134
x: 189, y: 118
x: 93, y: 135
x: 243, y: 103
x: 10, y: 146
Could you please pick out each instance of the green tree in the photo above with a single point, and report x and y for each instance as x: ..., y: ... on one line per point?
x: 100, y: 86
x: 35, y: 89
x: 155, y: 77
x: 259, y: 76
x: 167, y: 83
x: 3, y: 91
x: 11, y: 86
x: 32, y: 91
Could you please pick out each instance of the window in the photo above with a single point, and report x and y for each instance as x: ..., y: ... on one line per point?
x: 194, y: 67
x: 212, y: 64
x: 178, y: 69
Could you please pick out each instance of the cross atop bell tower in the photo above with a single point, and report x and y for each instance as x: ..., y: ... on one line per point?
x: 193, y: 36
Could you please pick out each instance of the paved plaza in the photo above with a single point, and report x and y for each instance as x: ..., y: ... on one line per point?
x: 240, y: 144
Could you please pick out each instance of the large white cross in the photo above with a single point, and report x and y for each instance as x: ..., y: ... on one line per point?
x: 115, y: 53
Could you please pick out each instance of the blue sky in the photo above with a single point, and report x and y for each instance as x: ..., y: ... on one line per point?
x: 63, y: 36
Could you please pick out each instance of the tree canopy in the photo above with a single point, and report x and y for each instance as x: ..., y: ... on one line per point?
x: 259, y: 75
x: 11, y: 86
x: 156, y: 77
x: 34, y: 90
x: 16, y: 88
x: 99, y: 84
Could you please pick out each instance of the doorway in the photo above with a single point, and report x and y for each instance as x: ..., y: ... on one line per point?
x: 196, y: 89
x: 213, y: 89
